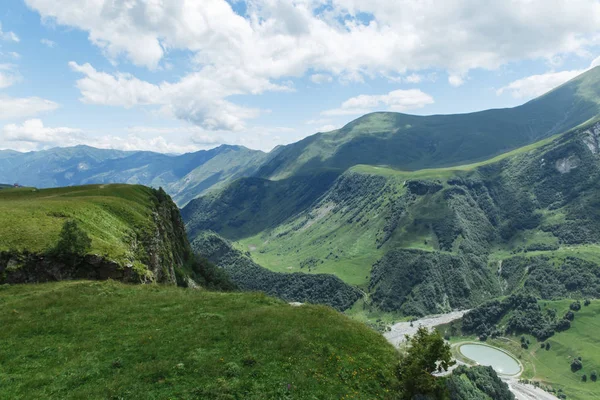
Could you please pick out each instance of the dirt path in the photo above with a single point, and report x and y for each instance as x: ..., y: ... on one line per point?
x: 396, y: 335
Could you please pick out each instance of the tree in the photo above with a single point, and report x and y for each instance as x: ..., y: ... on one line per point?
x: 594, y: 375
x: 73, y: 241
x: 427, y: 353
x: 584, y: 378
x: 576, y: 365
x: 575, y: 306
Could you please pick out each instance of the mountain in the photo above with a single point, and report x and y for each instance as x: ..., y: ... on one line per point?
x: 184, y: 177
x: 123, y: 232
x: 412, y: 142
x: 428, y: 241
x: 297, y: 287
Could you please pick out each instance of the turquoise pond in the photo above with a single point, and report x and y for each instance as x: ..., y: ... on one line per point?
x: 486, y: 355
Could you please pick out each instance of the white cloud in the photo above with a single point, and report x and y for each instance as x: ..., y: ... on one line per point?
x: 397, y: 100
x: 33, y: 135
x: 321, y: 78
x: 413, y: 78
x: 34, y: 131
x: 326, y: 128
x: 8, y: 36
x: 537, y: 85
x: 15, y: 107
x: 198, y: 97
x: 456, y: 80
x: 8, y: 75
x: 48, y: 43
x: 281, y: 39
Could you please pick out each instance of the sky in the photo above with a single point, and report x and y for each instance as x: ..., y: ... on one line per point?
x: 176, y: 76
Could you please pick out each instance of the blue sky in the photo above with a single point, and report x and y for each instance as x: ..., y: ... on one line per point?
x: 176, y: 76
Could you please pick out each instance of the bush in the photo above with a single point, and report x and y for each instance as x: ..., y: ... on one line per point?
x: 547, y: 346
x: 73, y: 241
x: 232, y: 370
x: 584, y: 378
x: 587, y: 302
x: 576, y: 365
x: 575, y: 306
x: 570, y: 315
x: 593, y: 375
x: 563, y: 325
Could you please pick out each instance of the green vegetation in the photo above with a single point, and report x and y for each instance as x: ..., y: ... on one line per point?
x: 296, y: 287
x: 426, y: 353
x: 414, y: 142
x: 547, y: 363
x: 477, y: 383
x: 112, y: 215
x: 73, y: 241
x: 109, y: 340
x: 433, y: 240
x: 130, y: 233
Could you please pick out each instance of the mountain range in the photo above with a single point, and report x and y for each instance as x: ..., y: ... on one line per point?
x: 394, y: 140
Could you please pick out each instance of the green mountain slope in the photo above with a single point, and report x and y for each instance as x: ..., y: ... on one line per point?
x: 184, y: 177
x: 297, y: 287
x: 432, y: 240
x: 109, y: 340
x: 413, y: 142
x: 136, y: 234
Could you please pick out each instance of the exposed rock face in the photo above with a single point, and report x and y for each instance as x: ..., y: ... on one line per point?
x: 592, y: 138
x: 33, y: 268
x: 565, y: 165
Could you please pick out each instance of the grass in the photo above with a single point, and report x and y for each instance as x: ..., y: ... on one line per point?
x: 348, y: 250
x: 112, y: 215
x: 552, y: 367
x: 81, y: 340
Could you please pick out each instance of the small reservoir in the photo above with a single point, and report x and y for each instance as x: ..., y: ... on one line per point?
x: 502, y: 363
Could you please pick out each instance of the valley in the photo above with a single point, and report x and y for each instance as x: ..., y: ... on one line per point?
x: 388, y: 220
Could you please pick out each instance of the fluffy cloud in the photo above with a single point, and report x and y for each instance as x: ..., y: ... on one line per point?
x: 321, y: 78
x: 8, y: 36
x: 34, y: 135
x: 537, y: 85
x: 8, y: 75
x: 278, y: 39
x: 34, y: 131
x: 397, y: 100
x: 198, y: 97
x: 48, y: 42
x: 14, y: 107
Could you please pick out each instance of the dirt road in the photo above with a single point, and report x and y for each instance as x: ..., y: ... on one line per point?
x: 396, y: 335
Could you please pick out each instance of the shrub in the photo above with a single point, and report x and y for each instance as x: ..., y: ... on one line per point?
x: 563, y: 325
x: 584, y: 378
x: 593, y: 375
x: 576, y: 365
x: 587, y: 302
x: 570, y: 315
x: 232, y: 370
x: 73, y: 241
x: 575, y: 306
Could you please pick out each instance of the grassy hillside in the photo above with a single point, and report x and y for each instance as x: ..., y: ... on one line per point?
x: 109, y: 340
x: 552, y: 367
x: 377, y: 227
x: 183, y: 176
x: 134, y: 227
x: 297, y: 287
x: 413, y: 142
